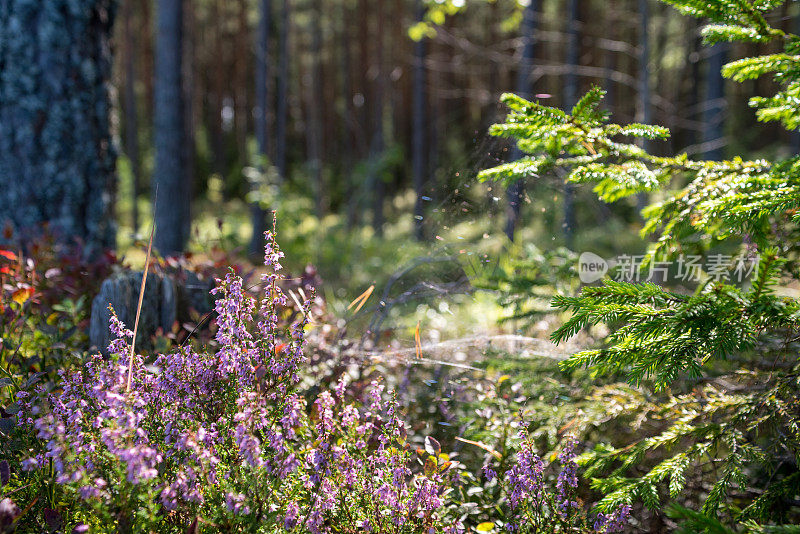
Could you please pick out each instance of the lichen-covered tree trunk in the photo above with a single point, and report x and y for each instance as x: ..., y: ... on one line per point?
x: 57, y: 160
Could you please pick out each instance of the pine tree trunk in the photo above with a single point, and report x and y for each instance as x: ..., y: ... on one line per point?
x: 172, y: 202
x: 57, y: 161
x: 258, y: 216
x: 188, y: 46
x: 645, y: 110
x: 610, y: 84
x: 241, y: 84
x: 571, y: 87
x: 314, y: 131
x: 349, y: 119
x: 282, y: 117
x: 693, y: 96
x: 420, y: 124
x: 378, y: 142
x: 516, y: 191
x: 715, y: 106
x: 131, y: 114
x: 217, y: 96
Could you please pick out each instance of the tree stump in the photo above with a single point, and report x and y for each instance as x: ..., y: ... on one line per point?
x: 167, y: 298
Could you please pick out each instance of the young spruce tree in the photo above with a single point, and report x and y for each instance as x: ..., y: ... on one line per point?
x: 722, y: 438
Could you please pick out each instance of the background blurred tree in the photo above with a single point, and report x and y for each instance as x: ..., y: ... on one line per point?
x: 331, y: 146
x: 57, y: 161
x: 516, y: 192
x: 173, y: 193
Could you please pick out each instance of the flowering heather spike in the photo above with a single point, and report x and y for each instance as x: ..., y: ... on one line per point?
x: 214, y: 433
x: 567, y: 478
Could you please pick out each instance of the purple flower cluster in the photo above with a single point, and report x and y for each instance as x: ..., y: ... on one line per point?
x: 534, y: 504
x: 360, y: 456
x: 186, y: 414
x: 613, y: 522
x: 567, y: 479
x: 526, y: 477
x: 225, y: 434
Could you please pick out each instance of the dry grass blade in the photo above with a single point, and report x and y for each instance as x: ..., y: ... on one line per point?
x: 482, y: 446
x: 139, y: 306
x: 300, y: 307
x: 361, y: 299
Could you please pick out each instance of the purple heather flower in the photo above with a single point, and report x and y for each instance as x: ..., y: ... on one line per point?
x: 489, y: 473
x: 525, y: 477
x: 567, y: 478
x: 235, y: 503
x: 290, y: 518
x: 613, y: 522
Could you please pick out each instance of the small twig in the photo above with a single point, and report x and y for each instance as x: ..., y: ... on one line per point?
x: 141, y: 299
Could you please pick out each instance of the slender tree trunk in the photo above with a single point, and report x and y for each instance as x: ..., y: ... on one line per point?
x: 148, y: 63
x: 715, y: 105
x: 516, y: 191
x: 420, y: 124
x: 258, y: 216
x: 364, y: 90
x: 645, y: 109
x: 434, y: 116
x: 57, y: 160
x: 349, y: 119
x: 378, y: 141
x: 172, y: 202
x: 187, y: 83
x: 131, y: 114
x: 571, y: 87
x: 219, y: 75
x: 611, y: 57
x: 693, y: 106
x: 241, y: 84
x: 282, y: 116
x: 315, y: 103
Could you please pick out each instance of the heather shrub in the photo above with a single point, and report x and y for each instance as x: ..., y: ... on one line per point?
x: 536, y: 504
x: 226, y: 437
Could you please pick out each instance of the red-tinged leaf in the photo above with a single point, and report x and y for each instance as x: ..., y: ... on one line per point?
x: 7, y: 254
x: 432, y: 446
x: 430, y: 465
x: 21, y: 296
